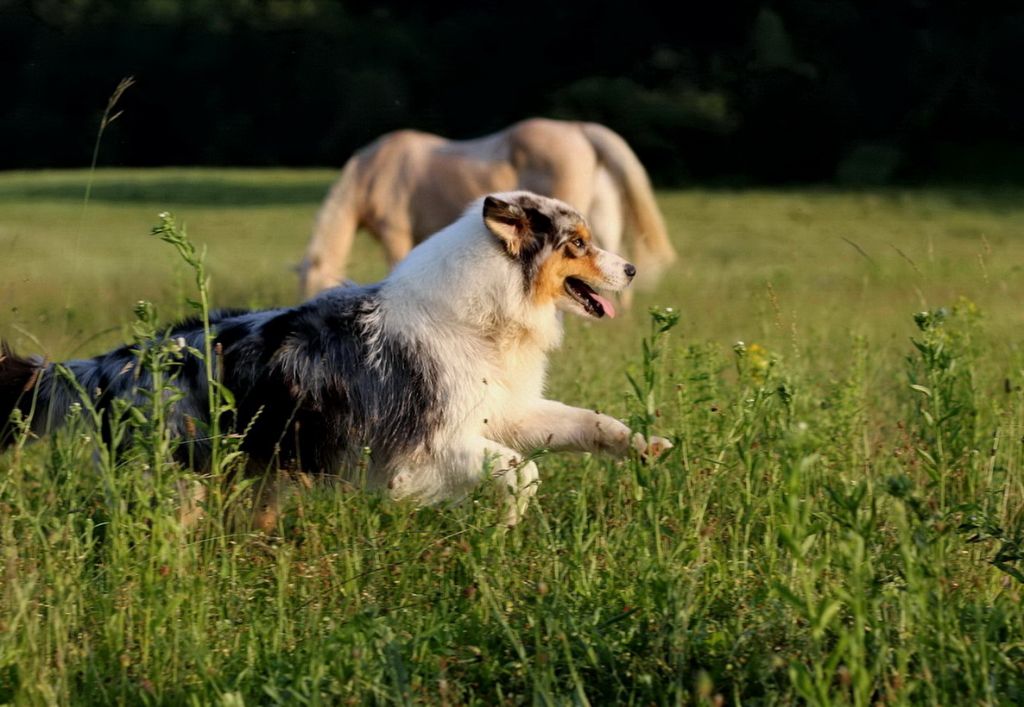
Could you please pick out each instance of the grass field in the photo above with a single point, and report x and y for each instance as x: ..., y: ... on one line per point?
x: 840, y: 522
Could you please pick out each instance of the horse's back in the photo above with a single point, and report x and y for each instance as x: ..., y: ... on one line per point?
x: 397, y: 148
x: 421, y: 182
x: 554, y: 158
x: 452, y: 174
x: 388, y: 170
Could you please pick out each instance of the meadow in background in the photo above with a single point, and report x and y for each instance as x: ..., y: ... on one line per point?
x: 840, y: 521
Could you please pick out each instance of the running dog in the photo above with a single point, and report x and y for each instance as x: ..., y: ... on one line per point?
x: 436, y: 373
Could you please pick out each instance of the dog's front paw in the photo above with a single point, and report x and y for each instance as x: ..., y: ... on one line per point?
x: 652, y: 447
x: 656, y: 446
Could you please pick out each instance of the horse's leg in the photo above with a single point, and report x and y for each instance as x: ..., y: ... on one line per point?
x: 396, y: 238
x: 605, y: 213
x: 607, y: 221
x: 333, y: 236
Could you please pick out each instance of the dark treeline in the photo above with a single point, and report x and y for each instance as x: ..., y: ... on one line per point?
x: 748, y: 91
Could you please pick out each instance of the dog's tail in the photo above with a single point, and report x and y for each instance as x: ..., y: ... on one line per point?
x: 19, y: 390
x: 41, y: 394
x: 651, y: 246
x: 333, y: 233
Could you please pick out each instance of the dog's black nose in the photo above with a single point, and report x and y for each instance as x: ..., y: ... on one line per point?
x: 630, y: 270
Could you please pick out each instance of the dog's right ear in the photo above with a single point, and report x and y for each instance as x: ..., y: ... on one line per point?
x: 509, y: 222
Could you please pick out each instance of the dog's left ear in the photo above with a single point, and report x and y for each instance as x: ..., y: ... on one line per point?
x: 509, y: 222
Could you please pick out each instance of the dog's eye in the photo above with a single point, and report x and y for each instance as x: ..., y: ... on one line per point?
x: 578, y: 243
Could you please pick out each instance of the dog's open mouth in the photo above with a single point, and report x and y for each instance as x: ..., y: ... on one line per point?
x: 593, y: 303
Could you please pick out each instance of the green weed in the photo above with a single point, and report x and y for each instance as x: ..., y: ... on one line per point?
x: 839, y: 521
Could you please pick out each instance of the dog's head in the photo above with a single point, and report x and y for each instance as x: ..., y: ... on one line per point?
x: 552, y: 244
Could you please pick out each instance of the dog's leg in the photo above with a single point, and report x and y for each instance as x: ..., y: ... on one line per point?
x: 552, y: 425
x: 518, y: 478
x: 463, y: 467
x: 266, y: 505
x: 191, y: 497
x: 271, y: 493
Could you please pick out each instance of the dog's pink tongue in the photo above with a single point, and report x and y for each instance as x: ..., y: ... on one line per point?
x: 609, y: 308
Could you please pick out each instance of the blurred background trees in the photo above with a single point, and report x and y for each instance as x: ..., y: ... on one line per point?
x: 790, y: 91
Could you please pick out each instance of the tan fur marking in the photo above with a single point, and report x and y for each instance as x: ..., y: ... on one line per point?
x: 583, y: 232
x: 549, y: 284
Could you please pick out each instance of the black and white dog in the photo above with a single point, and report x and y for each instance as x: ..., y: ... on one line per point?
x: 438, y: 371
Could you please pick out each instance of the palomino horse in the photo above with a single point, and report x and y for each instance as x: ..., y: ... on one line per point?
x: 407, y: 185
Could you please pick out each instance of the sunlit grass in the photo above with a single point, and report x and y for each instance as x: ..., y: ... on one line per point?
x: 840, y: 521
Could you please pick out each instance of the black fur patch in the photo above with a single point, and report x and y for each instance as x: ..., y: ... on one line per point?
x: 316, y: 395
x: 540, y: 224
x: 310, y: 392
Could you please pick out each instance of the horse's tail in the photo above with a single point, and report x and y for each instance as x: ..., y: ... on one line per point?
x: 652, y: 249
x: 333, y: 233
x: 25, y: 387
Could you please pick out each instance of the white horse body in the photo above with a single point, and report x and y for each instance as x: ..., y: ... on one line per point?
x: 408, y: 184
